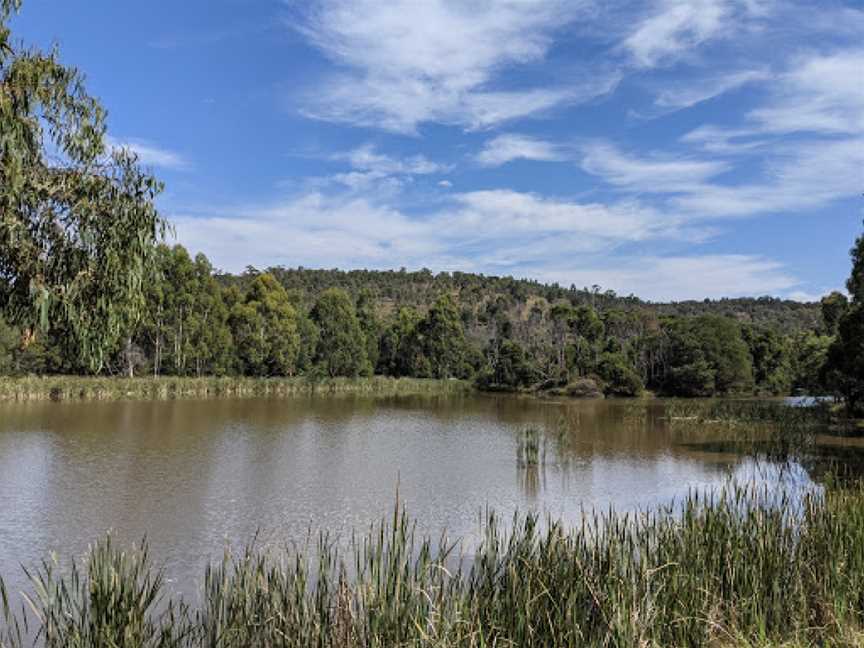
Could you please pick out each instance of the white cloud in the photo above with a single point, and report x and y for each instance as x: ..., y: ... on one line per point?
x: 649, y: 174
x: 367, y: 158
x: 505, y: 148
x: 687, y: 95
x: 503, y: 213
x: 490, y: 231
x: 800, y: 175
x: 678, y: 278
x: 821, y: 93
x: 372, y: 169
x: 675, y: 27
x: 715, y: 139
x: 805, y: 296
x: 407, y: 62
x: 149, y: 154
x: 806, y: 175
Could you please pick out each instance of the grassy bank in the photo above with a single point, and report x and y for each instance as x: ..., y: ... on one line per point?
x: 741, y: 569
x: 109, y: 388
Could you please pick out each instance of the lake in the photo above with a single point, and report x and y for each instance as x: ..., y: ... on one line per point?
x: 193, y: 475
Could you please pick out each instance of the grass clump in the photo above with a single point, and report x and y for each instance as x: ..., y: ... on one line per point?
x: 530, y: 448
x: 164, y: 388
x: 742, y: 567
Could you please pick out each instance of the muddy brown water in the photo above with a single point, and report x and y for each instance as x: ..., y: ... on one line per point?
x: 195, y: 475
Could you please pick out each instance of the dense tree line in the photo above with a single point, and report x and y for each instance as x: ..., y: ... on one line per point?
x: 282, y: 322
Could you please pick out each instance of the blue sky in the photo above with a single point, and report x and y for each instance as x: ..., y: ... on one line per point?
x: 669, y: 149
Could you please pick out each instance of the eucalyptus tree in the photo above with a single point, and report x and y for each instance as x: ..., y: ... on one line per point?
x: 400, y: 344
x: 443, y: 339
x: 77, y: 222
x: 264, y: 328
x: 341, y: 349
x: 834, y: 307
x: 370, y: 325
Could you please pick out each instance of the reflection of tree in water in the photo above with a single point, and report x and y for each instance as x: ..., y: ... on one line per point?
x: 827, y: 460
x: 723, y: 435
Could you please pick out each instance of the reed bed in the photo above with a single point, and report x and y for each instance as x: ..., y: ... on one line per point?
x: 164, y: 388
x: 742, y: 567
x: 748, y: 412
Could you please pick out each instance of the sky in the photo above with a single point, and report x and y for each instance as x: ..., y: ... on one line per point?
x: 668, y: 149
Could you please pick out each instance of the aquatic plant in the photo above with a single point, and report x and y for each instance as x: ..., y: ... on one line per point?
x: 530, y: 448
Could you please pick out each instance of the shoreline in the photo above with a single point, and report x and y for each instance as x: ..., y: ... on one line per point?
x: 95, y: 388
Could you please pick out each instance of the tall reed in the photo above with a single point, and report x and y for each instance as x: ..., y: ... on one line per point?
x: 113, y: 388
x: 740, y: 567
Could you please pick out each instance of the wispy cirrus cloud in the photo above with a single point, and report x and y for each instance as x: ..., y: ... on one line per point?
x: 651, y: 174
x: 406, y: 63
x: 368, y: 158
x: 674, y: 27
x: 688, y: 94
x: 821, y: 93
x: 512, y: 146
x: 804, y: 175
x: 799, y: 176
x: 804, y: 141
x: 370, y: 168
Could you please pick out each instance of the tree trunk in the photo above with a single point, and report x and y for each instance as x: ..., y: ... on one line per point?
x: 130, y: 364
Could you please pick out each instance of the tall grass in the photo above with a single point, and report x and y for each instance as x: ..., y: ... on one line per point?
x: 736, y: 568
x: 746, y: 412
x: 530, y: 448
x: 114, y: 388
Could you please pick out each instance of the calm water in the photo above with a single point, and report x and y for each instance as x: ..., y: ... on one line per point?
x: 193, y: 475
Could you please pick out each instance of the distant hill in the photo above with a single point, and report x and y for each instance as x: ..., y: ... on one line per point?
x: 478, y: 293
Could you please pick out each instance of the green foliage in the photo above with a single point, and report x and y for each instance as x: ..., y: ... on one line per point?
x: 618, y: 374
x: 809, y: 352
x: 693, y: 379
x: 844, y: 368
x: 834, y: 306
x: 341, y: 349
x: 371, y: 328
x: 443, y: 340
x: 855, y: 284
x: 400, y: 345
x: 264, y: 327
x: 770, y: 353
x: 9, y: 341
x: 509, y: 367
x: 77, y: 225
x: 707, y: 356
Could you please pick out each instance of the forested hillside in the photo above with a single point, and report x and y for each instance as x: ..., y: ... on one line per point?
x: 503, y: 333
x: 420, y: 287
